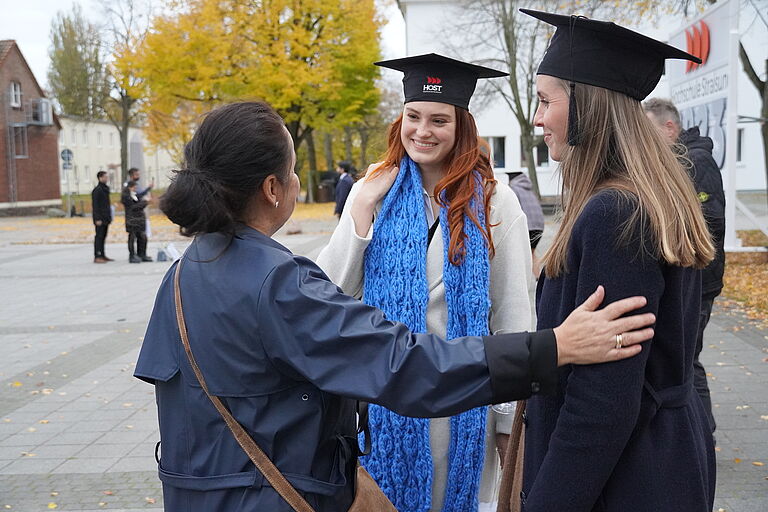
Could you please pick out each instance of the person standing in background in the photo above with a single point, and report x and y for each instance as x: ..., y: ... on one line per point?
x: 102, y: 216
x: 344, y: 185
x: 709, y: 189
x: 135, y: 223
x: 523, y: 188
x: 134, y: 174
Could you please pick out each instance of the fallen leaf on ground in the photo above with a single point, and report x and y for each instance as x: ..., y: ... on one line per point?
x: 756, y: 463
x: 151, y: 501
x: 737, y: 461
x: 109, y: 493
x: 43, y: 421
x: 52, y: 505
x: 16, y: 384
x: 54, y: 493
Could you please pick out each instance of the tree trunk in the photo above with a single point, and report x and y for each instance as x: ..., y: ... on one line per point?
x: 328, y: 148
x: 312, y: 160
x: 125, y: 123
x: 348, y: 143
x: 527, y: 140
x: 363, y: 148
x: 311, y: 155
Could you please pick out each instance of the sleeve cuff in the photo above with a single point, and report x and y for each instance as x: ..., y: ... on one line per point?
x: 543, y: 346
x: 521, y: 364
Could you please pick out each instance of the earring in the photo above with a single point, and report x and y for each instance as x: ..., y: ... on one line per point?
x: 277, y: 203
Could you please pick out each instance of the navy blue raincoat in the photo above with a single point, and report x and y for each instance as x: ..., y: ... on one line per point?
x: 289, y: 355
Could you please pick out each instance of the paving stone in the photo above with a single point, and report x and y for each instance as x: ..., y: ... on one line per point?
x: 87, y: 447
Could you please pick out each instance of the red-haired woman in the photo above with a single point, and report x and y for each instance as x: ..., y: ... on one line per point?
x: 428, y: 238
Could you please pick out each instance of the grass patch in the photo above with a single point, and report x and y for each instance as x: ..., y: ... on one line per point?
x: 746, y: 277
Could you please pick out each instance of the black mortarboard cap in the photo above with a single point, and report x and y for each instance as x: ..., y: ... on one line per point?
x: 603, y: 54
x: 432, y: 77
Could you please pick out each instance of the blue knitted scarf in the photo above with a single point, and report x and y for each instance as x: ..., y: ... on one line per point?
x: 396, y: 282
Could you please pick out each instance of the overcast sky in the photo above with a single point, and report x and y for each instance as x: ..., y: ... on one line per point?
x: 30, y: 24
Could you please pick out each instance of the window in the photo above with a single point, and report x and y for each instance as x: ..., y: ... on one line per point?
x: 41, y: 112
x: 74, y: 137
x: 111, y: 140
x: 20, y: 148
x: 85, y: 137
x: 498, y: 151
x: 15, y: 94
x: 87, y: 177
x: 98, y: 139
x: 739, y: 142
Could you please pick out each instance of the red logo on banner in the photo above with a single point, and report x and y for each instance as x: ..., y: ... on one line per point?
x: 433, y: 80
x: 697, y: 42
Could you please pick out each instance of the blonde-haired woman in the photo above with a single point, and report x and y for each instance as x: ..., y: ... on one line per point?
x: 630, y: 435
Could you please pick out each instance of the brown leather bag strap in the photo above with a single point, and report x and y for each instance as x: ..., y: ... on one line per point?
x: 257, y: 456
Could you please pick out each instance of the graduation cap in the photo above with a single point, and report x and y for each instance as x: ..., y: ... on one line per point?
x: 432, y: 77
x: 603, y: 54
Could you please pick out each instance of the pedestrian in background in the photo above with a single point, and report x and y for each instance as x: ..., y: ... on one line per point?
x: 708, y: 182
x: 346, y: 179
x: 134, y: 174
x: 630, y: 436
x: 135, y: 223
x: 102, y: 216
x: 523, y: 188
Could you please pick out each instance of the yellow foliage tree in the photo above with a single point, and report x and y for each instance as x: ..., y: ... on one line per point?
x: 310, y: 59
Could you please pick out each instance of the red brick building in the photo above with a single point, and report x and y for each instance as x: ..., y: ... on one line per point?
x: 29, y: 135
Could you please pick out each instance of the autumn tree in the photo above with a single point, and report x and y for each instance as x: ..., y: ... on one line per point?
x: 126, y: 27
x: 310, y: 59
x: 77, y: 71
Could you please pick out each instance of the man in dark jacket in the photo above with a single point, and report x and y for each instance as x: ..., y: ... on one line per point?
x: 346, y: 179
x: 709, y: 187
x: 102, y: 216
x: 135, y: 223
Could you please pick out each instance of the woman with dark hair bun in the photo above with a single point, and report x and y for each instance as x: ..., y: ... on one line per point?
x: 245, y: 336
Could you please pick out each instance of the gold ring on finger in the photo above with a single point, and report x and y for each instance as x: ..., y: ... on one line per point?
x: 619, y: 340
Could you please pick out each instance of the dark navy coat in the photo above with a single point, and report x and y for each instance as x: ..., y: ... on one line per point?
x: 289, y: 354
x: 630, y: 435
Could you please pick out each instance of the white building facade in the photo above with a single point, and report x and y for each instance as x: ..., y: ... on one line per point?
x: 95, y: 146
x: 425, y: 27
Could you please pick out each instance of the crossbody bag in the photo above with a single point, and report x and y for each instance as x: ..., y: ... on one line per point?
x: 368, y: 495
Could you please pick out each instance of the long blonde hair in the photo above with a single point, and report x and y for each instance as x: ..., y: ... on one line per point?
x: 621, y: 150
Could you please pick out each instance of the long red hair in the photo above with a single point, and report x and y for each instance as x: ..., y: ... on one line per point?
x: 469, y: 153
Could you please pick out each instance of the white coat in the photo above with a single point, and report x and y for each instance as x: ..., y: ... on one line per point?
x: 511, y: 292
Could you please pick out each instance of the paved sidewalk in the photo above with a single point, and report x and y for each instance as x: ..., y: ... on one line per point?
x: 77, y: 431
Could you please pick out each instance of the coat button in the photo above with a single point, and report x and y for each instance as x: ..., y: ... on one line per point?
x: 535, y: 387
x: 525, y: 418
x: 305, y: 397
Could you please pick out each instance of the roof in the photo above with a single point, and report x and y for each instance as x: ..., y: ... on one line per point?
x: 5, y: 47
